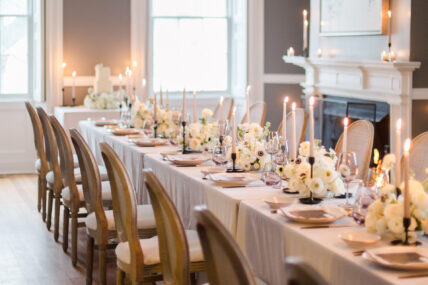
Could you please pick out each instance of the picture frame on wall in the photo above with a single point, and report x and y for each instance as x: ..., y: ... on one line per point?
x: 353, y: 17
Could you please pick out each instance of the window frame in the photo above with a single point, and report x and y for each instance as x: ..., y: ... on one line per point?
x: 30, y: 58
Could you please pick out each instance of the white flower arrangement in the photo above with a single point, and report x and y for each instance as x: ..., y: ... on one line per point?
x: 168, y: 122
x: 201, y: 136
x: 246, y: 131
x: 325, y: 178
x: 102, y: 100
x: 386, y: 213
x: 141, y: 115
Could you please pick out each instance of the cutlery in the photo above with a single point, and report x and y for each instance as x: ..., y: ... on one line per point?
x: 326, y: 226
x: 358, y: 252
x: 416, y: 275
x: 243, y: 186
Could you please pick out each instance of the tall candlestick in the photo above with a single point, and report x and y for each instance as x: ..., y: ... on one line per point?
x: 120, y: 88
x: 398, y: 153
x: 305, y: 31
x: 160, y: 96
x: 311, y: 127
x: 406, y: 179
x: 167, y: 99
x: 234, y: 130
x: 284, y: 120
x: 220, y: 111
x: 183, y: 113
x: 155, y: 107
x: 128, y: 81
x: 143, y: 83
x: 389, y: 28
x: 248, y: 104
x: 194, y: 107
x: 293, y: 132
x: 73, y: 88
x: 345, y: 134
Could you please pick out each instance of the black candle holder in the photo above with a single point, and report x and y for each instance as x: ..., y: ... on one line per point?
x: 234, y: 169
x: 305, y: 52
x: 185, y: 150
x: 311, y: 200
x: 74, y: 101
x: 406, y: 224
x: 155, y: 128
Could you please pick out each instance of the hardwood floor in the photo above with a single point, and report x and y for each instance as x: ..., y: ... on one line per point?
x: 28, y: 252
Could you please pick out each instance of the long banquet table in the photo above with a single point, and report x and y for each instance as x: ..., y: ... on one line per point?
x: 265, y: 237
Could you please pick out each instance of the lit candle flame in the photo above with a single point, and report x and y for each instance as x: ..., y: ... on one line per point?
x: 389, y: 14
x: 64, y: 64
x: 346, y: 121
x: 399, y: 122
x: 407, y: 145
x: 221, y: 100
x: 120, y: 76
x: 293, y: 106
x: 134, y: 63
x: 376, y: 156
x: 286, y: 99
x: 306, y: 23
x: 74, y: 74
x: 144, y: 82
x: 234, y: 111
x: 312, y: 101
x: 305, y: 12
x: 248, y: 88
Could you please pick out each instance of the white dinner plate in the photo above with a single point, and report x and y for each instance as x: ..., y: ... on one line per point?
x: 149, y: 142
x: 399, y: 257
x: 187, y: 159
x: 360, y: 238
x: 212, y: 170
x: 278, y: 202
x: 125, y: 132
x: 313, y: 214
x: 233, y: 179
x: 103, y: 123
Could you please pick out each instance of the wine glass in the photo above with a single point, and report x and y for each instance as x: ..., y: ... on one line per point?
x: 348, y: 169
x: 219, y: 155
x: 363, y: 199
x: 272, y: 147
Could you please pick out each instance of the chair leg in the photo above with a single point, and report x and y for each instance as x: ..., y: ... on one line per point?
x: 89, y: 260
x: 102, y: 260
x: 57, y: 209
x: 39, y: 193
x: 120, y: 277
x: 74, y: 226
x: 193, y: 279
x: 44, y: 199
x: 49, y: 217
x: 65, y: 228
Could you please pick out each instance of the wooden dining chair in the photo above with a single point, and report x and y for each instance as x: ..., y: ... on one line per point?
x: 301, y: 124
x: 228, y: 104
x: 180, y: 250
x: 41, y: 162
x: 360, y: 141
x: 226, y: 264
x: 418, y: 156
x: 257, y: 114
x: 100, y: 225
x: 300, y: 273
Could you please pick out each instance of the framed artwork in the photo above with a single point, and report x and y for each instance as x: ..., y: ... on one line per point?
x: 353, y: 17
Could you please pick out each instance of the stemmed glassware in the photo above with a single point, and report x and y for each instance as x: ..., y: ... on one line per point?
x: 219, y: 155
x: 272, y: 147
x: 348, y: 169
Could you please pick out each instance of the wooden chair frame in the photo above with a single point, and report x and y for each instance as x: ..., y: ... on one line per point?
x: 228, y: 113
x: 302, y: 135
x: 254, y: 106
x: 419, y: 139
x: 300, y: 273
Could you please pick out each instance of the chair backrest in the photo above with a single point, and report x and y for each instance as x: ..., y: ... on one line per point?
x: 124, y: 208
x: 226, y: 264
x: 257, y: 113
x: 360, y: 141
x: 38, y: 137
x: 51, y: 147
x: 91, y: 180
x: 173, y: 247
x: 418, y: 156
x: 66, y: 160
x: 226, y: 110
x: 300, y: 273
x: 301, y: 123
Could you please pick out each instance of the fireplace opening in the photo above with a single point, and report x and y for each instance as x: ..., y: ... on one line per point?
x: 332, y: 109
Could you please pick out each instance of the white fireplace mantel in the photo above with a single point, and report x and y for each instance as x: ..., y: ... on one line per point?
x: 389, y: 82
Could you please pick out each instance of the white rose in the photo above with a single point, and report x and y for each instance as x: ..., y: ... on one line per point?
x: 380, y: 226
x: 194, y: 143
x: 388, y: 161
x: 138, y: 123
x: 395, y: 225
x: 100, y: 104
x: 337, y: 186
x: 316, y: 185
x: 371, y: 222
x: 304, y: 149
x: 303, y: 170
x: 387, y: 190
x: 327, y: 175
x: 394, y: 210
x: 207, y: 112
x: 376, y: 208
x: 290, y: 170
x: 296, y: 184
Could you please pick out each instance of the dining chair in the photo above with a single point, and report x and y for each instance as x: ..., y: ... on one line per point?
x: 257, y: 114
x: 360, y: 141
x: 41, y: 162
x: 100, y: 225
x: 301, y: 124
x: 228, y: 104
x: 418, y: 155
x: 300, y: 273
x: 226, y: 264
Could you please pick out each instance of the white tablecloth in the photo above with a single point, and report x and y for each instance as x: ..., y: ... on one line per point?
x: 268, y: 238
x: 69, y: 117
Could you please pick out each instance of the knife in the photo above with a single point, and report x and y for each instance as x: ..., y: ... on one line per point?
x: 326, y: 226
x: 413, y: 275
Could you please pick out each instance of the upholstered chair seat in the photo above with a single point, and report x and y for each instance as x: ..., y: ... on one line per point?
x: 105, y: 194
x: 39, y: 163
x: 103, y: 173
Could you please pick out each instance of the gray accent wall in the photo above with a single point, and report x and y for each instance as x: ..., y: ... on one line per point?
x: 419, y: 42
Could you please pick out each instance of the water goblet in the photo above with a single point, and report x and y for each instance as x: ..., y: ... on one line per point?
x: 348, y: 169
x: 272, y: 146
x: 219, y: 155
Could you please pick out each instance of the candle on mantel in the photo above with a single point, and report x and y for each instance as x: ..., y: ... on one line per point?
x: 120, y: 88
x: 183, y: 113
x: 220, y: 109
x: 384, y: 56
x: 290, y: 51
x: 73, y: 87
x: 194, y: 107
x: 247, y: 96
x: 345, y: 134
x: 311, y: 127
x: 305, y: 29
x: 392, y: 56
x: 398, y: 153
x: 234, y: 130
x: 155, y: 106
x: 167, y: 99
x: 143, y: 84
x: 406, y: 179
x: 293, y: 132
x: 64, y: 65
x: 319, y: 52
x: 284, y: 120
x: 161, y: 96
x: 389, y: 28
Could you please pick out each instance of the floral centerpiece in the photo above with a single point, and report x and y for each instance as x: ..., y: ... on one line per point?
x: 141, y: 115
x: 386, y: 213
x: 168, y: 122
x: 325, y: 178
x: 101, y: 100
x: 200, y: 136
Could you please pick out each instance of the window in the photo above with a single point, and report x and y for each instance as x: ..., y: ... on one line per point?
x: 191, y: 45
x: 16, y: 38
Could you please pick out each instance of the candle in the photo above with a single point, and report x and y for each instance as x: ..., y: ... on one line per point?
x: 406, y: 179
x: 220, y: 111
x: 234, y: 130
x: 384, y: 56
x: 290, y: 51
x: 128, y: 82
x: 143, y: 84
x: 120, y: 88
x: 293, y: 131
x: 64, y: 64
x: 183, y: 113
x: 155, y: 107
x: 194, y: 107
x: 73, y: 88
x: 345, y: 135
x: 284, y: 120
x: 392, y: 56
x: 319, y: 52
x: 248, y: 104
x: 398, y: 153
x: 167, y: 99
x: 161, y: 96
x: 311, y: 126
x: 389, y: 28
x: 305, y: 29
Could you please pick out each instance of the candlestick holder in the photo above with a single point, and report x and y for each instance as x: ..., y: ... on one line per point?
x: 74, y: 101
x: 406, y: 224
x: 185, y: 150
x: 305, y: 52
x: 155, y: 128
x: 311, y: 200
x: 234, y: 169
